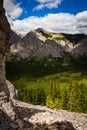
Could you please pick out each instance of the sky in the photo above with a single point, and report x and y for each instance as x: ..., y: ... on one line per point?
x: 60, y: 16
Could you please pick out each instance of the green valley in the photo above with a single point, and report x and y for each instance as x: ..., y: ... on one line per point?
x: 55, y: 82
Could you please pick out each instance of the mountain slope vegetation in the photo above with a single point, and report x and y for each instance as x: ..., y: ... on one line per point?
x: 55, y: 82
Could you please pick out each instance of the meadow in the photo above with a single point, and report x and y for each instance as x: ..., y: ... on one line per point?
x: 51, y: 81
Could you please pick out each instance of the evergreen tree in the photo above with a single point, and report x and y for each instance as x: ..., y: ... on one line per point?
x: 73, y: 99
x: 82, y: 97
x: 49, y: 102
x: 64, y: 99
x: 41, y: 96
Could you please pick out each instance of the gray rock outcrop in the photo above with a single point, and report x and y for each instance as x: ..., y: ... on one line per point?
x: 45, y: 43
x: 80, y: 48
x: 14, y: 37
x: 41, y: 42
x: 4, y: 41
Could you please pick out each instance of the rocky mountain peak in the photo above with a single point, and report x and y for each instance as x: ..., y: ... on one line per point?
x: 36, y: 34
x: 41, y: 42
x: 44, y: 43
x: 39, y: 30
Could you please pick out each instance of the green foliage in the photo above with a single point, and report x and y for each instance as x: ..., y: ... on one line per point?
x: 34, y: 96
x: 78, y: 98
x: 47, y: 81
x: 49, y: 102
x: 47, y: 35
x: 64, y: 99
x: 73, y: 100
x: 60, y: 38
x: 52, y: 103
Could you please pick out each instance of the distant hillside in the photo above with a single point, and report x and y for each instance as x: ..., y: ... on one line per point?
x: 14, y: 37
x: 80, y: 48
x: 42, y: 42
x: 74, y: 38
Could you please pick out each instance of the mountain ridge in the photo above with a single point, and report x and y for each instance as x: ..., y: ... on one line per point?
x: 42, y: 42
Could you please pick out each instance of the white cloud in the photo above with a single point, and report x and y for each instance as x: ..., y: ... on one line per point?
x: 82, y: 22
x: 61, y: 22
x: 13, y: 9
x: 47, y: 3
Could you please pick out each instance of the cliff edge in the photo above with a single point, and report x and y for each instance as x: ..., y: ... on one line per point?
x: 17, y: 115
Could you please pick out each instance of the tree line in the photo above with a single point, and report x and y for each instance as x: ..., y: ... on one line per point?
x: 73, y: 98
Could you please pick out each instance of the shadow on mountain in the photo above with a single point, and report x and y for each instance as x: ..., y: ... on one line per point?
x: 74, y: 38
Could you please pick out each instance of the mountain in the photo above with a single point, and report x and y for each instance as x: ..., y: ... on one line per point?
x: 74, y: 38
x: 14, y: 37
x: 80, y: 48
x: 41, y: 42
x: 45, y: 43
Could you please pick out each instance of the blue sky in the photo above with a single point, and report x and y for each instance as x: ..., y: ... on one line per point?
x: 65, y: 6
x: 69, y: 16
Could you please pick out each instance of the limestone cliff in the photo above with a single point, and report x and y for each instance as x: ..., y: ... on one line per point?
x: 41, y: 43
x: 16, y: 115
x: 4, y: 41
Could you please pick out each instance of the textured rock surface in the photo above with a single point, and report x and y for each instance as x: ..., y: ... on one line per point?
x: 41, y: 42
x: 17, y: 115
x: 14, y: 37
x: 80, y: 48
x: 4, y: 41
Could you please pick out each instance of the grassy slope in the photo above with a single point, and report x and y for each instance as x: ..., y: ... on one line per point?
x: 42, y: 73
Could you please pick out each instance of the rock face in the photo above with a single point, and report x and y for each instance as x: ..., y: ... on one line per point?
x: 4, y: 41
x: 44, y: 43
x: 41, y: 42
x: 14, y: 37
x: 80, y: 48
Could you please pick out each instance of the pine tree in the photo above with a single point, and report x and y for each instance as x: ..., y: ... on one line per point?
x: 49, y: 102
x: 73, y: 99
x: 82, y: 98
x: 41, y: 96
x: 64, y: 99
